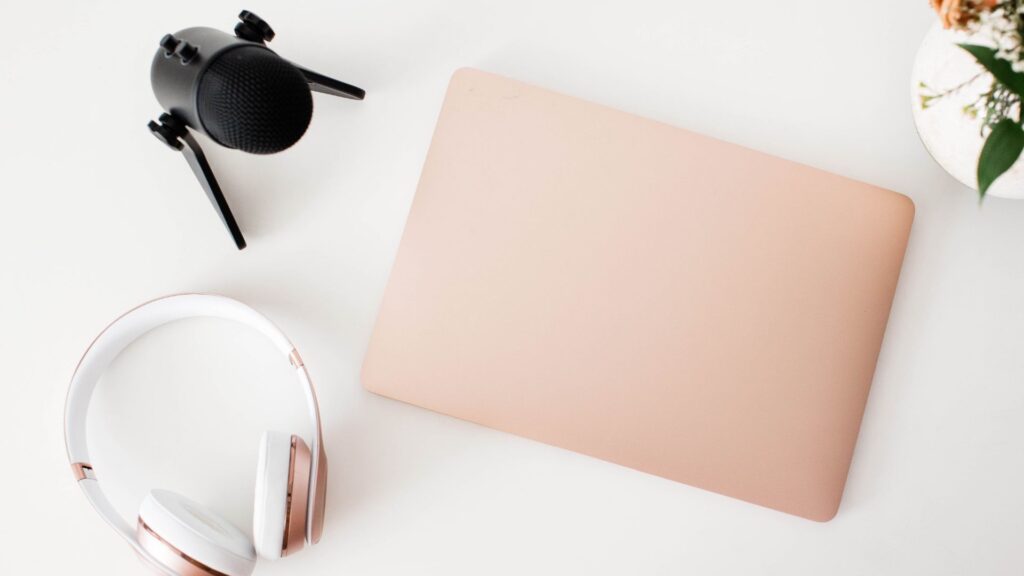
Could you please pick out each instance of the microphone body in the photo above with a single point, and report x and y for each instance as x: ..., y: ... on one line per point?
x: 238, y: 92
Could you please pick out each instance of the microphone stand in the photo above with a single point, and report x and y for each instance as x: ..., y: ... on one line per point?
x: 173, y: 130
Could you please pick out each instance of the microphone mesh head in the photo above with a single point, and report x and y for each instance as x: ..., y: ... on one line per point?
x: 253, y: 100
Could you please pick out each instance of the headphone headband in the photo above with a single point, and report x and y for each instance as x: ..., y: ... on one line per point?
x: 132, y: 325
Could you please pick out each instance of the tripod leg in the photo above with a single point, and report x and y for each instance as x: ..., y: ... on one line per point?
x: 204, y: 173
x: 326, y: 85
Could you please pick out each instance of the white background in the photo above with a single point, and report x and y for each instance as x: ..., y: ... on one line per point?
x: 97, y: 216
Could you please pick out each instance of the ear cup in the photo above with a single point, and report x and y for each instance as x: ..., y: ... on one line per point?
x: 191, y: 540
x: 282, y: 494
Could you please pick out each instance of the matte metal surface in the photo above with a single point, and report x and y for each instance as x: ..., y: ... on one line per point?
x: 640, y: 293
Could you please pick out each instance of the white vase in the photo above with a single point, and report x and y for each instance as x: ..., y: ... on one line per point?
x: 952, y: 137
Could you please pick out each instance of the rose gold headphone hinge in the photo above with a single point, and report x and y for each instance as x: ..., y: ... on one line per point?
x: 82, y: 471
x: 295, y: 359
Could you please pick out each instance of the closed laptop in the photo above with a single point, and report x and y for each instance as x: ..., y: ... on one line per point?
x: 640, y: 293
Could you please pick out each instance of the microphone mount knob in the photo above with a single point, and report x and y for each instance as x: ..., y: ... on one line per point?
x: 175, y: 47
x: 187, y: 52
x: 169, y: 43
x: 168, y: 129
x: 253, y: 28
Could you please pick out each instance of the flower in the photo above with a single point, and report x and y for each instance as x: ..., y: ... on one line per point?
x: 995, y: 29
x: 959, y: 13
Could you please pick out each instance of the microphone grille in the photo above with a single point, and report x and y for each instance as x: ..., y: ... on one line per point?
x: 253, y: 100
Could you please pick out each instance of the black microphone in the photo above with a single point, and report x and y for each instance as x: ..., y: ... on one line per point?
x: 236, y: 91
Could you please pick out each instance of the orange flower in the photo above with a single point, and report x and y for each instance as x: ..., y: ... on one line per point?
x: 960, y: 12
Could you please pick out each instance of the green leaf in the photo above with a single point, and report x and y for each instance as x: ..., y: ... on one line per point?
x: 999, y: 68
x: 1001, y: 150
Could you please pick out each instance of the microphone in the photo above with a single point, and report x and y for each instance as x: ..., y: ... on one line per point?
x: 238, y: 92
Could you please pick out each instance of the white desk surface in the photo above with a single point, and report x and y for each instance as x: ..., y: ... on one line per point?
x: 97, y: 216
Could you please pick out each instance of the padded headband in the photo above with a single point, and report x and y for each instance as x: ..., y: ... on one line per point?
x: 129, y: 327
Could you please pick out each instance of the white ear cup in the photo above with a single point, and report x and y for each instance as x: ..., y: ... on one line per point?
x: 270, y: 512
x: 174, y: 529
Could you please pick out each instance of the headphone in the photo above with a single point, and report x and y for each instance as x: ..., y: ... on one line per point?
x: 173, y: 534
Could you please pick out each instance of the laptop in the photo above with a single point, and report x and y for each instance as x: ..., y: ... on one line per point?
x: 640, y: 293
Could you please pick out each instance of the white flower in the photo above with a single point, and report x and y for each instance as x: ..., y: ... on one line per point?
x: 1018, y: 66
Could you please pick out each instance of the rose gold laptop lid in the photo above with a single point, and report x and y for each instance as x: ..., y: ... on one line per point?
x: 640, y: 293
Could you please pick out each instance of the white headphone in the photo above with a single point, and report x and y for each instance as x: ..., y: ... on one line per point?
x: 173, y: 534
